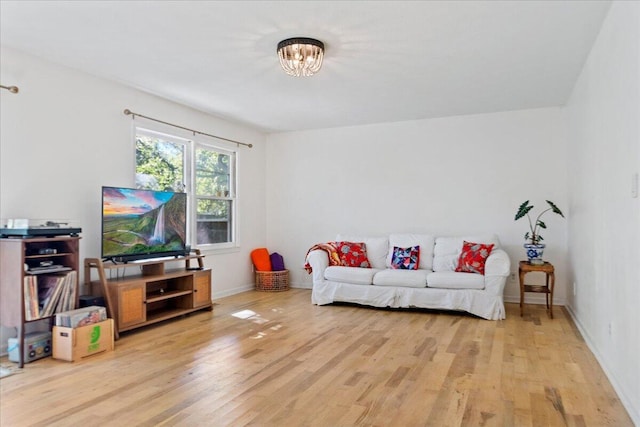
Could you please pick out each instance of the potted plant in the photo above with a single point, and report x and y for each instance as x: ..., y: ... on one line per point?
x: 534, y: 248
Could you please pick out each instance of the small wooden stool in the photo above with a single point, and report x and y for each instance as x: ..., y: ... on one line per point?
x: 547, y: 289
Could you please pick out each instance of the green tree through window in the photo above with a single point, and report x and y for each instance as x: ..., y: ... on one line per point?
x: 214, y: 195
x: 159, y: 164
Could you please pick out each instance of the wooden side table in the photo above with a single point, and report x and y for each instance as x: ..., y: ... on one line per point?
x: 547, y: 289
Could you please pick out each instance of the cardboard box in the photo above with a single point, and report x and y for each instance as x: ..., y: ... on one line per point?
x: 72, y: 344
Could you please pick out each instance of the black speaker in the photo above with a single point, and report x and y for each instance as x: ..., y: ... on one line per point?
x: 89, y: 300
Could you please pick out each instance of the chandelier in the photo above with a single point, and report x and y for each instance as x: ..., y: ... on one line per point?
x: 301, y: 56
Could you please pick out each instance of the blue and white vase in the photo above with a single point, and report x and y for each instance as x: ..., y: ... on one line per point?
x: 534, y: 253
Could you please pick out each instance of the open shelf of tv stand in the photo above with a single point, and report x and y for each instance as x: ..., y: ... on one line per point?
x: 155, y: 294
x: 155, y: 297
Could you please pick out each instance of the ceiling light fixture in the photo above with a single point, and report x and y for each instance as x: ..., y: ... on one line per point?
x: 301, y: 56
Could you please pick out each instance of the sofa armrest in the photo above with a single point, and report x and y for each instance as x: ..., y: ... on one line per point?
x: 319, y: 261
x: 497, y: 264
x: 496, y: 270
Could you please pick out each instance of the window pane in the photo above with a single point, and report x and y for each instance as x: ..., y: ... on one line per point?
x: 213, y: 221
x: 159, y: 164
x: 212, y: 173
x: 172, y: 163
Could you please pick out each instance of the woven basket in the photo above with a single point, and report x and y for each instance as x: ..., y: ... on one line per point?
x: 272, y: 281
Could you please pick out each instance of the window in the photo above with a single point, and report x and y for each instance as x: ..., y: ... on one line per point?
x: 215, y: 195
x: 205, y: 172
x: 160, y: 161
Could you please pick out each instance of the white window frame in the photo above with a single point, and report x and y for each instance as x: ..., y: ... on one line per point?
x: 191, y: 144
x: 233, y: 196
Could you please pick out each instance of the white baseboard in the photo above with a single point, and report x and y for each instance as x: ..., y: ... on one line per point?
x: 533, y: 299
x: 251, y: 287
x: 633, y: 411
x: 233, y: 291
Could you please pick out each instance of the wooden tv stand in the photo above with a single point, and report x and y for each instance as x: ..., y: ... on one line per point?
x: 156, y: 294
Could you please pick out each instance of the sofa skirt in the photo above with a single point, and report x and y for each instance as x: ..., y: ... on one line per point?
x: 477, y: 302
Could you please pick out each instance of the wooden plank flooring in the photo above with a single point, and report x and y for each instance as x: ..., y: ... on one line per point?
x: 274, y: 359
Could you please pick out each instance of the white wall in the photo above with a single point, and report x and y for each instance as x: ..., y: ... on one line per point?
x: 64, y: 135
x: 448, y: 176
x: 603, y: 117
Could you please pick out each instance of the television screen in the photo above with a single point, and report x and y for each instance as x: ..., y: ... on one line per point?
x: 138, y: 224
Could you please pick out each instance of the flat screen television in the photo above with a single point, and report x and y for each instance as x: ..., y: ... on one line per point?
x: 141, y: 224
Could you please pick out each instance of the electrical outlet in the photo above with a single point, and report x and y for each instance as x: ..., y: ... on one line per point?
x: 610, y: 329
x: 513, y: 277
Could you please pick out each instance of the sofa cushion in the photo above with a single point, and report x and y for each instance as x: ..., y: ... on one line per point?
x: 473, y: 257
x: 405, y: 240
x: 402, y: 278
x: 447, y: 250
x: 353, y: 254
x: 377, y: 248
x: 355, y: 275
x: 453, y: 280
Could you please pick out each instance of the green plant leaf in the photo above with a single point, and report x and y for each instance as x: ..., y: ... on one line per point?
x: 526, y: 236
x: 523, y: 210
x: 541, y: 224
x: 555, y: 209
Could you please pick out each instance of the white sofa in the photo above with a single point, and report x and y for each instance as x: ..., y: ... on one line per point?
x: 434, y: 285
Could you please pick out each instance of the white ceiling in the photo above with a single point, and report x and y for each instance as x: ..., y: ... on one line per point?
x: 384, y: 61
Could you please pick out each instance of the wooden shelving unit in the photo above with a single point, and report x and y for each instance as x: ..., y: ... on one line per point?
x: 156, y: 294
x: 17, y: 256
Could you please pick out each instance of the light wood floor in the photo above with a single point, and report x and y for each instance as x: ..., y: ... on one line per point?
x: 274, y: 359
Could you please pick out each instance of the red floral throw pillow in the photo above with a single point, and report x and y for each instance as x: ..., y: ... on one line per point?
x: 405, y: 258
x: 353, y: 254
x: 473, y: 257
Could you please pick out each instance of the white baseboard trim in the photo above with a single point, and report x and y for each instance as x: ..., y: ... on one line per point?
x: 250, y: 287
x: 533, y: 299
x: 232, y: 291
x: 634, y: 412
